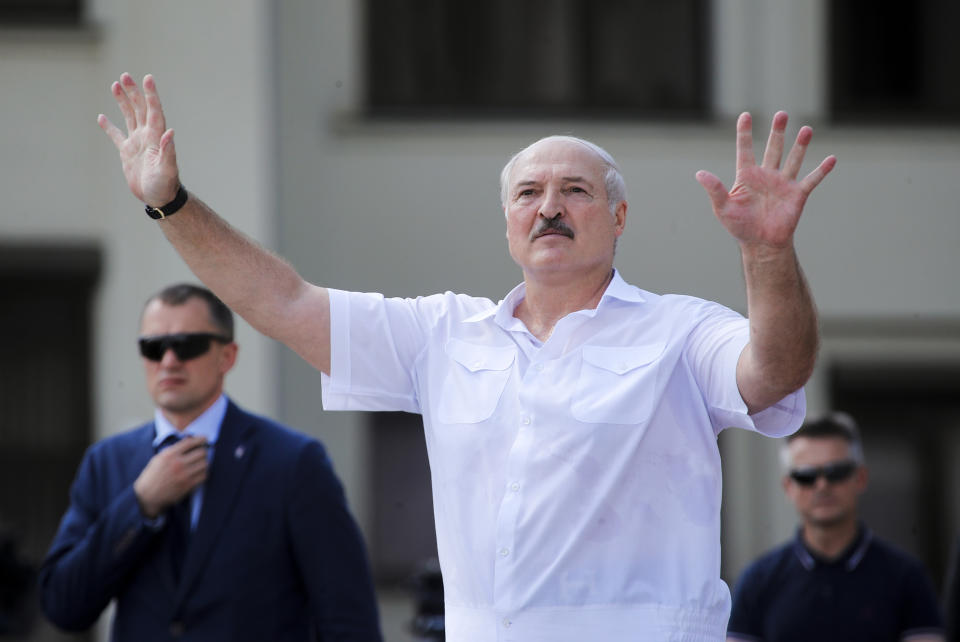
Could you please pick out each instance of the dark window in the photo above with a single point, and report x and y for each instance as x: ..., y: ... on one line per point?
x: 45, y: 401
x: 404, y: 537
x: 634, y: 58
x: 40, y: 12
x: 895, y: 62
x: 909, y: 415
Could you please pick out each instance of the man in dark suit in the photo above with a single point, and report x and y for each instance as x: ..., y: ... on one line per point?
x: 208, y: 523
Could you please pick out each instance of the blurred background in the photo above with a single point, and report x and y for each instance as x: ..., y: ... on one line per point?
x: 363, y: 140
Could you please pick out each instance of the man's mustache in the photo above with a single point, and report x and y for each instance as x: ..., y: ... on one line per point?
x: 551, y: 225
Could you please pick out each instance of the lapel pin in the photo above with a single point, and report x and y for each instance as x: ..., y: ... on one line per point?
x: 238, y: 453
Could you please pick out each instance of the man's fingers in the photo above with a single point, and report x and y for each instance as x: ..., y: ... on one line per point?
x: 130, y: 88
x: 190, y: 444
x: 126, y: 107
x: 197, y: 454
x: 196, y: 472
x: 774, y: 150
x: 199, y: 474
x: 745, y: 157
x: 795, y: 158
x: 190, y: 466
x: 188, y: 450
x: 167, y: 148
x: 111, y: 130
x: 813, y: 178
x: 715, y: 189
x: 187, y: 443
x: 154, y: 116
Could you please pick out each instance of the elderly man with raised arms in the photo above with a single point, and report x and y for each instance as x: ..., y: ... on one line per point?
x: 571, y: 428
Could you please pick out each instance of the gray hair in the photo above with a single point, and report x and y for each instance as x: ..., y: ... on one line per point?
x: 833, y: 424
x: 613, y: 181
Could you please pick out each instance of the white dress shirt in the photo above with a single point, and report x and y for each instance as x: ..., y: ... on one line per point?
x: 576, y: 483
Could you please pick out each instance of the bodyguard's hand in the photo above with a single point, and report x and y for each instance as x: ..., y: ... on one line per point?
x: 171, y: 474
x: 763, y: 207
x: 146, y: 151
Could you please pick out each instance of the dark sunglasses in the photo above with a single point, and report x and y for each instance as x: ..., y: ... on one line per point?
x: 833, y: 473
x: 185, y: 345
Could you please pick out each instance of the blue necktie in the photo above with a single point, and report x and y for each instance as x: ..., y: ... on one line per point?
x: 178, y: 521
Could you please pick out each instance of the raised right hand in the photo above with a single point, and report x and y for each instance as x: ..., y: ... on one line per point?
x: 171, y: 474
x: 147, y: 151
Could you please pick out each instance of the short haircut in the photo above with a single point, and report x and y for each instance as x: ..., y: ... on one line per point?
x: 180, y: 293
x: 613, y: 181
x: 831, y: 425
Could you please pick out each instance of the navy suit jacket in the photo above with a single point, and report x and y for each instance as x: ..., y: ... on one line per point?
x: 275, y: 554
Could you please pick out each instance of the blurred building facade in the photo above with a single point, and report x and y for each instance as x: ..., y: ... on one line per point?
x: 363, y: 142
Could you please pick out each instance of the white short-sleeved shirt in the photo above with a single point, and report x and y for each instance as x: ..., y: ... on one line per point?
x: 576, y: 483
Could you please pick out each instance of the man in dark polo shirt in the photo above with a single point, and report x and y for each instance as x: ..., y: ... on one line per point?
x: 836, y: 581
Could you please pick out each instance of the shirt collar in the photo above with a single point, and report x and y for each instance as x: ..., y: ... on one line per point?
x: 850, y: 558
x: 620, y: 289
x: 206, y: 425
x: 503, y: 311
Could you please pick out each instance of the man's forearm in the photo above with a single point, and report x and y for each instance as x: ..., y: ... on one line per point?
x: 784, y: 332
x: 253, y: 282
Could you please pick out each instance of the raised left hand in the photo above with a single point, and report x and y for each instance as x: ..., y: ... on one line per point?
x: 763, y: 207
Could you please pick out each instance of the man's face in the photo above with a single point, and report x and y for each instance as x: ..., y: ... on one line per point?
x: 558, y: 216
x: 184, y: 389
x: 823, y: 503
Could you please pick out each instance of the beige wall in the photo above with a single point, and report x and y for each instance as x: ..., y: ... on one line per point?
x: 62, y: 183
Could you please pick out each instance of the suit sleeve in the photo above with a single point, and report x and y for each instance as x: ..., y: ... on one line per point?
x: 99, y: 541
x: 330, y: 552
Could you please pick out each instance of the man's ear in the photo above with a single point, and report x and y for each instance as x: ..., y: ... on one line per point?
x: 862, y: 478
x: 228, y: 357
x: 620, y: 215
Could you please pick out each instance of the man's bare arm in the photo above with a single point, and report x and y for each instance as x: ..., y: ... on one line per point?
x: 762, y: 211
x: 256, y: 284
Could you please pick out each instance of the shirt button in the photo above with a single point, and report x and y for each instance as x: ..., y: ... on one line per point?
x: 504, y: 552
x: 477, y: 364
x: 525, y: 420
x: 539, y: 367
x: 514, y: 486
x: 507, y: 623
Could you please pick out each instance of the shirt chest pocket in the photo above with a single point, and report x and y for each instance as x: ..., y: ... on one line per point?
x: 617, y: 385
x: 474, y: 381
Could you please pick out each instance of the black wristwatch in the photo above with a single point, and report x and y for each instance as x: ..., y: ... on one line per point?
x: 170, y: 208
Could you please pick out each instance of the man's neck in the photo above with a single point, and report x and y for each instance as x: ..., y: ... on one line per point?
x: 545, y: 302
x: 180, y: 419
x: 830, y: 541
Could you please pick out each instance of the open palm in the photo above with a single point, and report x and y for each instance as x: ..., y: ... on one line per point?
x: 764, y: 205
x: 146, y: 151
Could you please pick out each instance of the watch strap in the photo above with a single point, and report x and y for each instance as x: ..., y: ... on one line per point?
x: 170, y: 208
